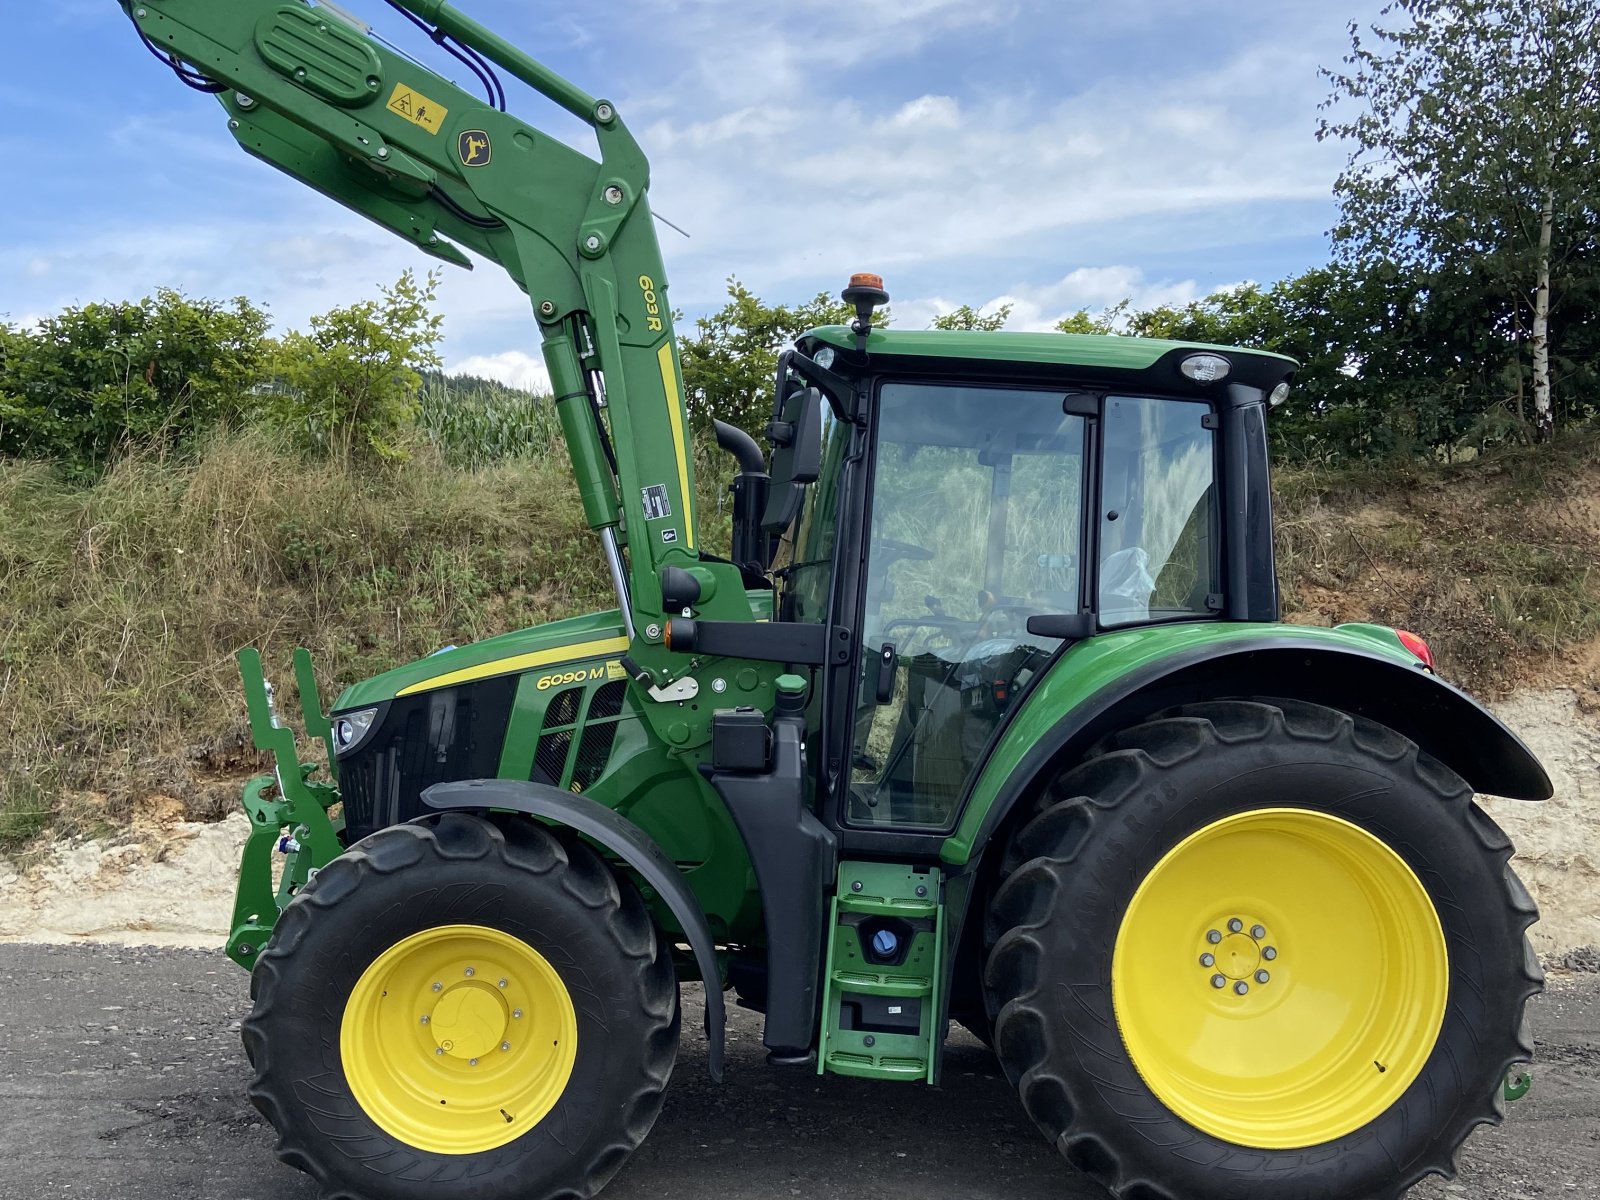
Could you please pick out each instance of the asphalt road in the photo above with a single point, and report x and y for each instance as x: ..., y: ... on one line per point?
x: 122, y: 1078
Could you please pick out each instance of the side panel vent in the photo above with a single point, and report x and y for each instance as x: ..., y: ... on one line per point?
x: 550, y: 759
x: 607, y: 701
x: 593, y: 754
x: 563, y: 709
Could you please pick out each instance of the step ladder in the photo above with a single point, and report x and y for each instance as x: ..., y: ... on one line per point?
x: 882, y: 1017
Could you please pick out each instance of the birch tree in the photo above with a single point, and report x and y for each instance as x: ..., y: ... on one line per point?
x: 1475, y: 129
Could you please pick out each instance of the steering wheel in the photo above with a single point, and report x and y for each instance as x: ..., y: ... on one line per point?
x: 1009, y: 618
x: 900, y: 549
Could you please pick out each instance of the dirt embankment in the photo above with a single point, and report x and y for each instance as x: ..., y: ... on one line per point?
x: 1558, y: 842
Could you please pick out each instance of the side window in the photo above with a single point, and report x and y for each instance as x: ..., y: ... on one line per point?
x: 805, y: 551
x: 1158, y: 511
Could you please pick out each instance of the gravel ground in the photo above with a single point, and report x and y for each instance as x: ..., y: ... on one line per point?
x: 122, y: 1078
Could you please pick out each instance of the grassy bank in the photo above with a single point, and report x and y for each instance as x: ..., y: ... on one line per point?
x: 1495, y: 561
x: 123, y: 602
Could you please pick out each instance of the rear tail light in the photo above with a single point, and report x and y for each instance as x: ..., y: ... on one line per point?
x: 1417, y: 646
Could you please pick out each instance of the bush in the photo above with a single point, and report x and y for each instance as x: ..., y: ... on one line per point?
x: 348, y: 389
x: 152, y: 375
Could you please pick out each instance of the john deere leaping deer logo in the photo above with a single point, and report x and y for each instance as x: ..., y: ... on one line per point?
x: 475, y: 150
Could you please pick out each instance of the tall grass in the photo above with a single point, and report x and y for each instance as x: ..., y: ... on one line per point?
x: 1495, y: 561
x: 123, y: 603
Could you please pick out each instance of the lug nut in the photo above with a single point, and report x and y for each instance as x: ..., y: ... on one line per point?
x: 1242, y: 988
x: 472, y: 1062
x: 505, y: 1045
x: 470, y: 972
x: 1262, y: 976
x: 1258, y: 932
x: 438, y: 987
x: 1213, y: 936
x: 517, y: 1013
x: 1208, y: 960
x: 425, y: 1020
x: 1217, y: 981
x: 438, y: 1050
x: 1269, y: 953
x: 1235, y: 925
x: 502, y: 983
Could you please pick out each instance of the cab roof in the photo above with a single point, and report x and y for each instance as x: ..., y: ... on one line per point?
x: 1088, y: 352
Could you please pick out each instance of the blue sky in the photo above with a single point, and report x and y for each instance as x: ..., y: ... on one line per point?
x: 1049, y: 153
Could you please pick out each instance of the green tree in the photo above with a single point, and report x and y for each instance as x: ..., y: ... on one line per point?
x: 349, y: 387
x: 152, y: 374
x: 730, y: 365
x: 1474, y: 148
x: 1083, y: 321
x: 968, y: 318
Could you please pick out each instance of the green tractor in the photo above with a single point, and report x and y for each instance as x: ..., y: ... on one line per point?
x: 987, y: 718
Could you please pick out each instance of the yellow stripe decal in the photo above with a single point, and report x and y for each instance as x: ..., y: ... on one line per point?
x: 520, y: 662
x: 669, y: 380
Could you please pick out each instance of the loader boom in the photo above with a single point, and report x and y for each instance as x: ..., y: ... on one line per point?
x: 309, y: 90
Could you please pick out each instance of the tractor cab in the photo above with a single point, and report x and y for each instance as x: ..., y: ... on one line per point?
x: 981, y: 500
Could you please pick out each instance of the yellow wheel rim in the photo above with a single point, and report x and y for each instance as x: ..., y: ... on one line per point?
x: 458, y: 1039
x: 1280, y: 978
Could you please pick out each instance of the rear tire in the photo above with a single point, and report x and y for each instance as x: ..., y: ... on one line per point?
x: 552, y: 945
x: 1398, y: 924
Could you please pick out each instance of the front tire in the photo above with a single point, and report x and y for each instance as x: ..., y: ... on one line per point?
x: 462, y: 1003
x: 1257, y: 950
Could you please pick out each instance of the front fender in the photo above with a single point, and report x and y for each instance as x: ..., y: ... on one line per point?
x: 629, y: 843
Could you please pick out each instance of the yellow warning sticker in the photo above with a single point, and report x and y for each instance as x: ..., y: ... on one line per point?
x: 418, y: 109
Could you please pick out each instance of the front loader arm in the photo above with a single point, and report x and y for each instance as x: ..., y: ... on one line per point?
x: 316, y: 96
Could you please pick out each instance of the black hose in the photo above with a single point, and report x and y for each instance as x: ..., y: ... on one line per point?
x: 186, y: 74
x: 743, y: 448
x: 445, y: 201
x: 464, y: 54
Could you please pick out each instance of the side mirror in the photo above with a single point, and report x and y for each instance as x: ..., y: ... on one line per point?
x: 1069, y: 627
x: 796, y: 456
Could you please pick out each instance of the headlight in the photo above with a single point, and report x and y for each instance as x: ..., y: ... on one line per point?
x: 1205, y: 368
x: 350, y: 728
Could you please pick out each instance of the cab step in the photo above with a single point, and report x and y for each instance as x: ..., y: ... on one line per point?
x: 881, y: 1014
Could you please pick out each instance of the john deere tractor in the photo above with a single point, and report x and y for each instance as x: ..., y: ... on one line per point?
x: 987, y: 718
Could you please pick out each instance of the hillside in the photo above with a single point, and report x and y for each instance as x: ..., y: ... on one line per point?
x: 125, y: 601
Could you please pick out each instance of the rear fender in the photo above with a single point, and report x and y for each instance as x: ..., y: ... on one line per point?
x: 1326, y: 667
x: 629, y: 843
x: 1441, y: 718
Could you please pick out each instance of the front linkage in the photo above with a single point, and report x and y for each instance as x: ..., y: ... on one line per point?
x: 294, y: 822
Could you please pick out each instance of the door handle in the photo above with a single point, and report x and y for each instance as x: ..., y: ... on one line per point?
x: 887, y: 661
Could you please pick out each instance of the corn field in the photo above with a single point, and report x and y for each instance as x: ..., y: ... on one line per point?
x: 476, y: 423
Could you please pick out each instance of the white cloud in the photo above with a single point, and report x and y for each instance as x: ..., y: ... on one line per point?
x: 796, y: 148
x: 513, y: 368
x: 929, y: 113
x: 1037, y: 308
